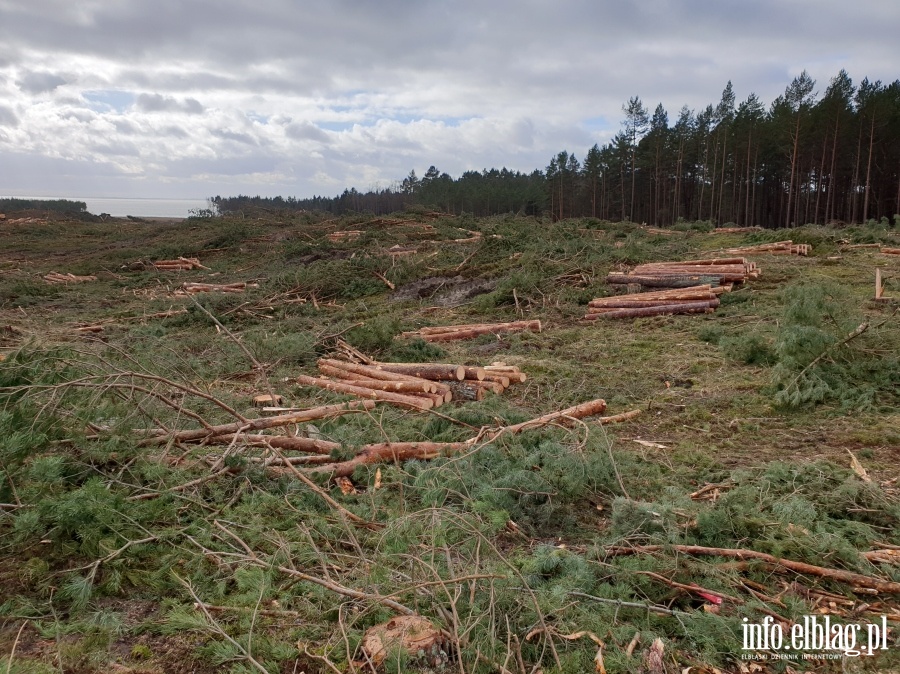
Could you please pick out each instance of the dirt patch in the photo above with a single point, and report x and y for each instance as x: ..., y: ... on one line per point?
x: 444, y: 291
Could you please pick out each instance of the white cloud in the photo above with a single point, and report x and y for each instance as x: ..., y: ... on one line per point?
x: 297, y: 98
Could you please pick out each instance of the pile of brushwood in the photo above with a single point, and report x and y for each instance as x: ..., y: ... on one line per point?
x: 155, y: 518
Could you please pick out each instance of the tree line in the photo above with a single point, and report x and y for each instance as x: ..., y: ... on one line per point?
x: 807, y: 158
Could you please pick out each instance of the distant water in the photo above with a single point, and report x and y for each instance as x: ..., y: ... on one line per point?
x: 140, y: 208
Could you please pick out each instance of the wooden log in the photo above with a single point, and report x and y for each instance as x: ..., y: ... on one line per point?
x: 476, y: 331
x: 453, y: 332
x: 510, y: 372
x: 637, y: 304
x: 563, y: 417
x: 362, y: 392
x: 890, y: 251
x: 474, y: 372
x: 296, y: 444
x: 249, y: 425
x: 395, y: 385
x: 690, y: 292
x: 492, y: 386
x: 618, y: 418
x: 374, y: 372
x: 716, y: 261
x: 391, y: 451
x: 663, y: 310
x: 431, y: 371
x: 466, y: 390
x: 663, y: 281
x: 501, y: 379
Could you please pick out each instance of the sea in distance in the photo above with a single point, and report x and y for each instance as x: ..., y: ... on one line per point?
x: 139, y: 208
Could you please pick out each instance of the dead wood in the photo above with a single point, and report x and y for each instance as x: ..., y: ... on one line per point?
x: 455, y: 332
x: 56, y: 277
x: 391, y: 451
x: 849, y: 577
x: 618, y: 418
x: 373, y: 372
x: 397, y: 386
x: 249, y: 425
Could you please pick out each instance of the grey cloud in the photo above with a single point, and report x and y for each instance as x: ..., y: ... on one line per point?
x: 306, y: 131
x: 160, y: 103
x: 8, y: 117
x: 40, y: 82
x: 224, y: 134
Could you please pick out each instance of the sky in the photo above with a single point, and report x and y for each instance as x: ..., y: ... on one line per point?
x: 196, y: 98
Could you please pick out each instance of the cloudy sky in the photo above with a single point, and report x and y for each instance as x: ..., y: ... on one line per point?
x: 192, y: 98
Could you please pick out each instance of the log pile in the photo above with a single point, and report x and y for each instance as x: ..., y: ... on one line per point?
x: 346, y: 235
x: 735, y: 230
x: 715, y: 271
x: 413, y: 385
x: 448, y: 333
x: 700, y: 299
x: 181, y: 264
x: 195, y: 288
x: 777, y: 248
x: 55, y: 277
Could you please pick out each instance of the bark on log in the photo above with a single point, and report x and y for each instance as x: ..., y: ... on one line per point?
x: 664, y: 310
x: 388, y: 451
x: 492, y: 386
x: 372, y: 372
x: 890, y: 251
x: 466, y: 390
x: 430, y: 371
x: 638, y: 304
x: 618, y: 418
x: 501, y: 379
x: 562, y: 417
x: 386, y: 396
x: 850, y: 577
x: 397, y: 386
x: 454, y: 332
x: 663, y: 281
x: 323, y: 412
x: 513, y: 373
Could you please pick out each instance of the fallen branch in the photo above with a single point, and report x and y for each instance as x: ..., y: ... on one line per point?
x: 849, y: 577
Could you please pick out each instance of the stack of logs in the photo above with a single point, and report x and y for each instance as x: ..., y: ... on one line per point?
x: 56, y: 277
x: 195, y: 288
x: 716, y: 271
x: 735, y: 230
x: 347, y: 235
x: 413, y: 385
x: 777, y: 248
x: 700, y: 299
x: 181, y: 264
x: 448, y: 333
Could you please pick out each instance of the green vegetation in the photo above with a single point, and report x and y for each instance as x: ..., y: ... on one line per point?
x: 118, y: 555
x: 53, y: 205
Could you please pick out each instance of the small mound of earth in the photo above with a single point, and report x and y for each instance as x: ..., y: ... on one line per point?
x: 444, y: 291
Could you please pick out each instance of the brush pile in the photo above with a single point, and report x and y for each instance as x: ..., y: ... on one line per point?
x: 715, y: 271
x: 181, y: 264
x: 701, y: 299
x: 448, y: 333
x: 56, y: 277
x: 195, y: 288
x: 413, y: 385
x: 777, y: 248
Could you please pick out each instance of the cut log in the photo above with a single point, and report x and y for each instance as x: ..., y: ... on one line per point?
x: 563, y: 417
x: 512, y: 373
x: 454, y: 332
x: 56, y: 277
x: 618, y: 418
x: 663, y: 310
x: 637, y: 304
x: 662, y: 281
x: 395, y: 385
x: 890, y: 251
x: 466, y: 390
x: 501, y: 379
x: 362, y: 392
x: 431, y: 371
x: 391, y: 451
x: 372, y: 371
